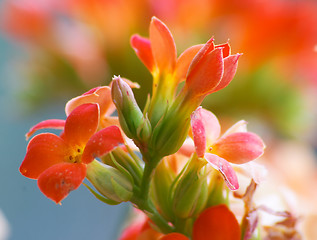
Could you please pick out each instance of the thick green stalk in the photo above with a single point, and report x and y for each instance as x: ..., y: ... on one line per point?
x: 142, y: 200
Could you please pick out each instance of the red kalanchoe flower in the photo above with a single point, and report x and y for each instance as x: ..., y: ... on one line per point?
x: 59, y: 162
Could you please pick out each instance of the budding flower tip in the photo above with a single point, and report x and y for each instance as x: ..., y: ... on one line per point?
x: 115, y: 77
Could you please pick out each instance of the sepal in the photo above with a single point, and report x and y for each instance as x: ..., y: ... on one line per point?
x: 110, y: 182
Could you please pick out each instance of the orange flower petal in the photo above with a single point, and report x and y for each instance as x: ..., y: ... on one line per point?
x: 240, y: 147
x: 216, y: 223
x: 184, y: 61
x: 207, y: 48
x: 81, y: 124
x: 230, y: 68
x: 163, y: 46
x: 142, y: 48
x: 174, y: 236
x: 57, y: 181
x: 149, y: 234
x: 100, y: 95
x: 224, y: 169
x: 101, y: 143
x: 226, y: 49
x: 43, y: 151
x: 50, y: 123
x: 207, y: 73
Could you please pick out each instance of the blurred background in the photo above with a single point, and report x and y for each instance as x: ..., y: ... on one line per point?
x: 51, y: 51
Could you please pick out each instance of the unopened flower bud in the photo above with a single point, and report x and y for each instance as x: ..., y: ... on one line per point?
x: 172, y: 130
x: 162, y: 181
x: 191, y: 192
x: 131, y: 118
x: 110, y: 182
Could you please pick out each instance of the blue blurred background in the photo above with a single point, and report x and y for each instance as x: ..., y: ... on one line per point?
x: 29, y: 214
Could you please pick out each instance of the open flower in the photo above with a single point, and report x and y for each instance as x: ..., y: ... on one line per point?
x: 100, y: 95
x: 217, y: 221
x: 59, y: 162
x: 206, y: 67
x: 236, y: 145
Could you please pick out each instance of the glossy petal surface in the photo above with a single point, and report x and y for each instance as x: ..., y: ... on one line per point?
x: 81, y: 124
x: 216, y: 223
x: 142, y: 48
x: 174, y: 236
x: 60, y: 179
x: 163, y: 46
x: 239, y: 147
x: 51, y: 123
x: 43, y: 151
x: 225, y: 169
x: 101, y: 143
x: 207, y: 73
x: 100, y: 95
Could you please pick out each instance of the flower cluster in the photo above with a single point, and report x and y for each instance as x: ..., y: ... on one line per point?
x: 178, y: 169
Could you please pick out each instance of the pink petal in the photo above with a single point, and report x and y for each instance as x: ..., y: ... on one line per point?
x: 184, y: 61
x: 230, y: 68
x: 163, y: 45
x: 60, y: 179
x: 142, y: 48
x: 81, y: 124
x: 252, y: 170
x: 188, y: 148
x: 240, y: 126
x: 239, y: 147
x: 132, y: 231
x: 206, y: 74
x: 101, y: 143
x: 43, y: 151
x: 211, y: 124
x: 100, y: 95
x: 199, y: 133
x: 51, y: 123
x: 225, y: 169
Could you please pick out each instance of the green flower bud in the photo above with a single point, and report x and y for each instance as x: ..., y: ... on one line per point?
x: 110, y: 182
x: 172, y: 130
x: 161, y: 183
x: 131, y: 118
x: 191, y: 191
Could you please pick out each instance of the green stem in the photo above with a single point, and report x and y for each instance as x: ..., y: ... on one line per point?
x: 146, y: 179
x: 142, y: 200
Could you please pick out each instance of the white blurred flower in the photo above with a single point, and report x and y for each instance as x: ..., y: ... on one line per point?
x: 4, y: 227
